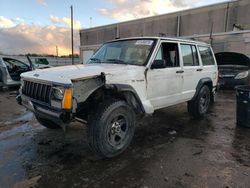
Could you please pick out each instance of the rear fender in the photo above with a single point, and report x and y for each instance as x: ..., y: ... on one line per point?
x: 204, y: 81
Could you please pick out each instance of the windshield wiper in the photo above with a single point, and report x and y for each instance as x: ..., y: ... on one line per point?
x: 96, y: 60
x: 116, y: 61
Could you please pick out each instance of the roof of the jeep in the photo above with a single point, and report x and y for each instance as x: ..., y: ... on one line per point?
x: 162, y: 38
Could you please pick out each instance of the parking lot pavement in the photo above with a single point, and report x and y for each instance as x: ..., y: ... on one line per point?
x: 170, y: 149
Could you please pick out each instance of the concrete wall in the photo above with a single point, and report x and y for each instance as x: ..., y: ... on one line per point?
x: 217, y: 18
x: 231, y: 41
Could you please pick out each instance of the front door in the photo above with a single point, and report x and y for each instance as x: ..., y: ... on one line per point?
x: 164, y: 84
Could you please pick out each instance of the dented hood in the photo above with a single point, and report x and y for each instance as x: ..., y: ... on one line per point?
x: 65, y: 74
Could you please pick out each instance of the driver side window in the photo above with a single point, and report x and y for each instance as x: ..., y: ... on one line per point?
x: 169, y: 53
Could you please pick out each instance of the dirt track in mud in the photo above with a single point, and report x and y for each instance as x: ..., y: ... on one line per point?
x: 170, y: 149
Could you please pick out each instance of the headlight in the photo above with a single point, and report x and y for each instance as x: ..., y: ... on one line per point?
x: 241, y: 75
x: 61, y: 97
x: 58, y: 93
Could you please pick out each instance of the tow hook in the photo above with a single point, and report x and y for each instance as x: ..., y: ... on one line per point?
x: 19, y: 99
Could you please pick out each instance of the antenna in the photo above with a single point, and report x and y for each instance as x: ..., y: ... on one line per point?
x: 162, y: 34
x: 90, y: 22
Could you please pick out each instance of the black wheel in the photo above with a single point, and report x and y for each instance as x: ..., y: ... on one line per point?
x: 111, y: 128
x: 199, y: 106
x: 47, y: 123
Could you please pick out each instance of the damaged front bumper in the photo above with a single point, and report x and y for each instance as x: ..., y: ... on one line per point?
x: 60, y: 117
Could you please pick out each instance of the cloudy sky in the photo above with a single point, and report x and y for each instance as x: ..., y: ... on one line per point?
x: 37, y: 26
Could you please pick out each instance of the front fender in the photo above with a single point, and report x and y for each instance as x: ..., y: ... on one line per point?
x: 124, y: 88
x: 82, y: 89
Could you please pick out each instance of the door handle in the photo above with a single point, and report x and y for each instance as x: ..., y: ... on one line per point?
x: 180, y: 71
x: 199, y: 69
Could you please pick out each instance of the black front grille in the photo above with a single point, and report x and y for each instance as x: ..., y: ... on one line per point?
x: 38, y: 91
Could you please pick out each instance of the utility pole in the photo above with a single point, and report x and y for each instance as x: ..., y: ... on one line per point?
x: 211, y: 34
x: 72, y: 39
x: 56, y: 55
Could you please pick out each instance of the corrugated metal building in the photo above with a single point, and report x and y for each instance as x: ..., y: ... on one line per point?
x: 225, y: 25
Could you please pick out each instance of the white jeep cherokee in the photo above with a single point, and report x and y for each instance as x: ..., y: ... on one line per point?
x: 124, y: 78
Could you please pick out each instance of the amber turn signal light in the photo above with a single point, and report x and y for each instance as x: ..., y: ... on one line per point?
x: 67, y: 99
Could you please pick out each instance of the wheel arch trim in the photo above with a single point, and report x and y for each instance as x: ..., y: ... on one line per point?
x: 123, y: 88
x: 204, y: 81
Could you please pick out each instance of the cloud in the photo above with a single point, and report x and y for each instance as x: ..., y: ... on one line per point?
x: 42, y: 2
x: 19, y: 20
x: 54, y: 19
x: 123, y: 10
x: 5, y: 22
x: 33, y: 38
x: 66, y: 21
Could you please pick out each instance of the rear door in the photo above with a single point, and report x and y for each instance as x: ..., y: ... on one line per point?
x: 192, y: 70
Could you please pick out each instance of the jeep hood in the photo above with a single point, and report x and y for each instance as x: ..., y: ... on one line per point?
x: 65, y: 74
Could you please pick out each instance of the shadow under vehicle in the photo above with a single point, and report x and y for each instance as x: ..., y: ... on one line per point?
x: 234, y: 69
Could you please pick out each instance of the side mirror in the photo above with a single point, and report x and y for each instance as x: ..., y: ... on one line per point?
x: 159, y: 64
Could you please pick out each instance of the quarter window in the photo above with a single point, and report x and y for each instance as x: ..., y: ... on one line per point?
x: 206, y: 56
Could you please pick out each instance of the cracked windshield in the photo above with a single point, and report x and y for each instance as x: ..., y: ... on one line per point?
x: 134, y: 52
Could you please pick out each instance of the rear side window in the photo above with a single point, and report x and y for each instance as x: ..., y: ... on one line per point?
x: 189, y: 55
x: 206, y: 55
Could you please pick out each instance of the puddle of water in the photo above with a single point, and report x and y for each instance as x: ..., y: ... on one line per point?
x: 25, y: 117
x: 15, y: 149
x: 15, y: 131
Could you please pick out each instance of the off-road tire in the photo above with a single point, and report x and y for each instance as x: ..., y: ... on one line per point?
x: 100, y: 127
x: 47, y: 123
x: 199, y: 106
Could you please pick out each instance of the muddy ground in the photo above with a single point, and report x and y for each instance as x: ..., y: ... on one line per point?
x: 170, y: 149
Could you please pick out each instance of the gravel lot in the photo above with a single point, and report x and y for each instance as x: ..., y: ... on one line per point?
x: 170, y: 149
